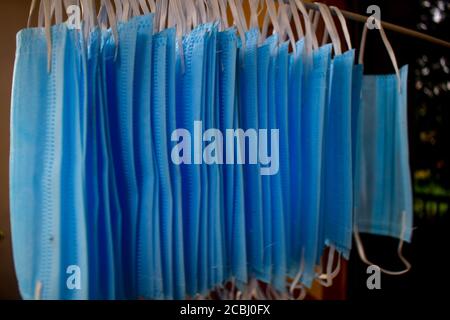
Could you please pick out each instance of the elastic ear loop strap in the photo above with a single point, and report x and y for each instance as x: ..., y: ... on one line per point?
x: 387, y: 44
x: 363, y: 257
x: 344, y: 26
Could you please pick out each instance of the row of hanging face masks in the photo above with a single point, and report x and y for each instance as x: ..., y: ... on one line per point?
x: 99, y: 210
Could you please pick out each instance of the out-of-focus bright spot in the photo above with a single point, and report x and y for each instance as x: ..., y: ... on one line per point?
x: 422, y: 26
x: 426, y: 4
x: 428, y: 92
x: 425, y: 71
x: 448, y: 85
x: 436, y: 91
x: 437, y: 14
x: 446, y: 69
x: 419, y: 85
x: 425, y: 58
x: 441, y: 5
x: 444, y: 87
x: 422, y: 174
x: 443, y: 62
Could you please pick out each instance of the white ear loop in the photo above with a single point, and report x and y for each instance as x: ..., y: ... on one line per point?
x: 363, y: 257
x: 237, y: 21
x: 311, y: 39
x: 296, y: 16
x: 330, y: 27
x: 287, y: 25
x: 223, y: 13
x: 343, y: 26
x: 388, y: 46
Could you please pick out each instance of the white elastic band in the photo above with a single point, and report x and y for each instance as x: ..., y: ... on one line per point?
x: 152, y: 6
x: 254, y: 5
x: 119, y: 10
x: 287, y: 26
x: 387, y: 44
x: 331, y: 28
x: 125, y: 10
x: 135, y: 8
x: 297, y: 22
x: 240, y: 10
x: 201, y: 9
x: 48, y: 34
x: 38, y: 291
x: 299, y: 273
x: 237, y: 21
x: 310, y: 33
x: 363, y: 257
x: 30, y: 14
x: 327, y: 279
x: 163, y: 19
x: 144, y: 6
x: 223, y: 13
x: 270, y: 4
x: 343, y: 26
x: 41, y: 16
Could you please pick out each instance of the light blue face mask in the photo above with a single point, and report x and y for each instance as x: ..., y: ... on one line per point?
x: 264, y: 60
x: 120, y: 78
x: 278, y: 120
x: 248, y: 109
x: 312, y: 122
x: 174, y: 66
x: 146, y: 168
x: 383, y: 192
x: 159, y: 126
x: 37, y: 126
x: 294, y: 123
x: 189, y: 109
x: 214, y: 230
x: 336, y: 196
x: 233, y: 216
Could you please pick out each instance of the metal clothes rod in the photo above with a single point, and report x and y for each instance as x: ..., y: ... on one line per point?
x: 386, y: 25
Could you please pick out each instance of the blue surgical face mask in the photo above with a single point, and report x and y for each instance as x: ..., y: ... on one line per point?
x: 37, y: 125
x: 248, y: 109
x: 264, y: 59
x: 189, y: 108
x: 315, y: 90
x: 146, y: 169
x: 174, y: 64
x: 337, y: 185
x: 383, y: 196
x: 295, y: 100
x: 120, y: 77
x: 279, y: 182
x: 233, y: 216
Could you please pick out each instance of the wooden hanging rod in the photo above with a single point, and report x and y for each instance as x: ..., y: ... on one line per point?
x: 386, y: 25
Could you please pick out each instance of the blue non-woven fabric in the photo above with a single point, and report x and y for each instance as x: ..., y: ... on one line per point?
x: 280, y: 181
x: 337, y: 183
x: 248, y: 109
x: 383, y: 192
x: 312, y: 122
x: 264, y: 59
x: 295, y: 101
x: 189, y: 107
x: 37, y: 125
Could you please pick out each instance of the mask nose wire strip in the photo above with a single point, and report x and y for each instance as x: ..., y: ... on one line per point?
x: 363, y: 257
